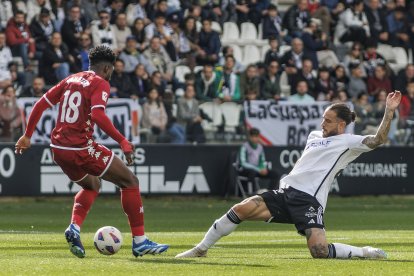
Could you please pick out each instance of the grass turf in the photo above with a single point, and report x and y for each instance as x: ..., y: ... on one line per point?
x: 32, y: 241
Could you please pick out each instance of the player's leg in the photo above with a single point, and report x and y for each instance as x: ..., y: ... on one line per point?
x: 253, y: 208
x: 119, y: 174
x: 319, y: 247
x: 81, y: 206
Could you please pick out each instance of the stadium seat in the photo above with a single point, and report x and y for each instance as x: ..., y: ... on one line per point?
x: 263, y: 51
x: 180, y: 72
x: 251, y: 55
x: 230, y: 32
x: 284, y: 85
x: 197, y: 69
x: 216, y: 27
x: 237, y: 52
x: 213, y: 111
x: 260, y: 31
x: 251, y: 187
x: 283, y: 49
x: 231, y: 114
x: 401, y: 59
x: 248, y: 32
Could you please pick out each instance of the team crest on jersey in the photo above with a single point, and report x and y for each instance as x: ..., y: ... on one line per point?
x: 104, y: 96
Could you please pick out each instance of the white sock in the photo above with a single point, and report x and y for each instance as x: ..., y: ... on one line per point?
x: 77, y: 227
x: 344, y: 251
x: 139, y: 239
x: 221, y: 227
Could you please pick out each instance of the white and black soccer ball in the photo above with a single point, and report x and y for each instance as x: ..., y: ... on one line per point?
x: 107, y: 240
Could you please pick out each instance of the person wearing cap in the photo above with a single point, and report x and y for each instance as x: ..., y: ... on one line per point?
x: 121, y: 30
x: 42, y: 28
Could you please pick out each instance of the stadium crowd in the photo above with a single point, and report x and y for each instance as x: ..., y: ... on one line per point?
x: 321, y: 50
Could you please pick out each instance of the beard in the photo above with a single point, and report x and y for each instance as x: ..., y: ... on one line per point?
x: 330, y: 133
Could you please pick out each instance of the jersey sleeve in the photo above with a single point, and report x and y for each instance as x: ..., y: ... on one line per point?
x: 100, y: 95
x: 355, y: 143
x: 54, y: 94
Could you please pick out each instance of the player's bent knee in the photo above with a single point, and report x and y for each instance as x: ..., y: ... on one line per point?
x: 319, y: 250
x: 245, y: 208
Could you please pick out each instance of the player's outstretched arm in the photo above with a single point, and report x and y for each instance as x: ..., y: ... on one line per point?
x: 24, y: 142
x: 99, y: 117
x: 392, y: 103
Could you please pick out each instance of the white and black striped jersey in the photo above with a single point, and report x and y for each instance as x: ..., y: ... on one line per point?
x: 321, y: 161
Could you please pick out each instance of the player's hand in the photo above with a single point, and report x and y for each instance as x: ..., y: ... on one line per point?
x: 393, y: 100
x: 263, y: 172
x: 22, y: 145
x: 128, y: 149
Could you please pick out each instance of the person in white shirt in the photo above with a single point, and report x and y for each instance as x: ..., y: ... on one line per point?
x: 301, y: 200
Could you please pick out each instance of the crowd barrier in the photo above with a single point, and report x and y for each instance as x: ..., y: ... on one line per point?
x: 201, y: 170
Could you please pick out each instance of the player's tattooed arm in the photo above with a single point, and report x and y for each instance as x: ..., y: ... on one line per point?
x: 392, y: 102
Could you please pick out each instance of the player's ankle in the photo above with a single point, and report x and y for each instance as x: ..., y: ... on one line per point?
x: 139, y: 239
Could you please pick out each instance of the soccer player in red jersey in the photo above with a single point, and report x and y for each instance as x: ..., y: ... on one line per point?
x: 82, y: 98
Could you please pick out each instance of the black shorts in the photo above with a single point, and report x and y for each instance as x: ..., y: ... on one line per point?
x: 295, y: 207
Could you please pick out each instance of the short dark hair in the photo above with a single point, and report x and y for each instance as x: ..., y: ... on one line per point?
x: 101, y: 54
x: 343, y: 112
x: 254, y: 131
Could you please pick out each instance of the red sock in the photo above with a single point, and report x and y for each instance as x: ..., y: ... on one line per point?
x: 83, y: 202
x: 132, y: 205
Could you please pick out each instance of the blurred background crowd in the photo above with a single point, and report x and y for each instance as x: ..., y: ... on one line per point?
x: 178, y: 57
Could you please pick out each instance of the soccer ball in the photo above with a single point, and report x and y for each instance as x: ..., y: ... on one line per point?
x: 107, y: 240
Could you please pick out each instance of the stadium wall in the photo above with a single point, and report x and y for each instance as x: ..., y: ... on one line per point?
x: 202, y: 170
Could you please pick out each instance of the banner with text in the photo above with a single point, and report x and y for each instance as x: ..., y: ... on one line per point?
x: 197, y: 170
x: 124, y: 113
x: 283, y: 123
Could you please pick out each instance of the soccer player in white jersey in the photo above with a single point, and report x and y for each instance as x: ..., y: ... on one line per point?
x: 302, y: 199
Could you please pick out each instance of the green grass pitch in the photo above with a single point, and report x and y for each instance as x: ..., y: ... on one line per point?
x: 32, y: 241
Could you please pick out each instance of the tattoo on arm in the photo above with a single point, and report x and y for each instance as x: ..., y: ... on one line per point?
x: 380, y: 137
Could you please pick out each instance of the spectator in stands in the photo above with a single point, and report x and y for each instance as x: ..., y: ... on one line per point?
x: 252, y: 161
x: 341, y: 97
x: 229, y: 51
x: 41, y: 29
x: 206, y: 84
x: 209, y: 42
x: 356, y: 81
x: 270, y: 82
x: 115, y: 8
x: 291, y: 61
x: 56, y: 61
x: 10, y: 116
x: 72, y: 27
x: 154, y: 116
x: 158, y: 59
x: 137, y: 9
x: 34, y: 8
x: 296, y: 18
x: 175, y: 131
x: 404, y: 77
x: 229, y: 87
x: 380, y: 80
x: 102, y: 32
x: 37, y: 89
x: 272, y: 24
x: 243, y: 9
x: 398, y: 28
x: 131, y: 56
x: 376, y: 16
x: 273, y: 52
x: 325, y: 85
x: 140, y: 81
x: 6, y: 12
x: 121, y: 85
x: 322, y: 14
x: 121, y: 30
x: 340, y: 78
x: 353, y: 24
x: 19, y: 39
x: 188, y: 42
x: 188, y: 115
x: 158, y: 83
x: 88, y: 9
x: 306, y: 74
x: 355, y: 55
x: 138, y: 31
x: 363, y: 111
x: 173, y: 21
x: 5, y: 59
x: 372, y: 58
x: 163, y: 32
x: 407, y: 105
x: 211, y: 9
x: 314, y: 40
x: 18, y: 79
x: 58, y: 11
x: 249, y: 80
x: 302, y: 93
x: 81, y: 52
x: 160, y: 7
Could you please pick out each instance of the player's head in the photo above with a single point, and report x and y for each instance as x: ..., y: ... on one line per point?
x: 254, y: 135
x: 335, y: 119
x: 101, y: 60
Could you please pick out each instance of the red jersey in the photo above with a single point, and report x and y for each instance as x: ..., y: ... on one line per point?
x: 77, y: 95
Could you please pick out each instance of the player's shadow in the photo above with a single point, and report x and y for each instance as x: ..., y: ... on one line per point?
x: 175, y: 261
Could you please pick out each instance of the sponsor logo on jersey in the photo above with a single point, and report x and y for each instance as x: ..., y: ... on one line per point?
x: 80, y: 80
x: 104, y: 96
